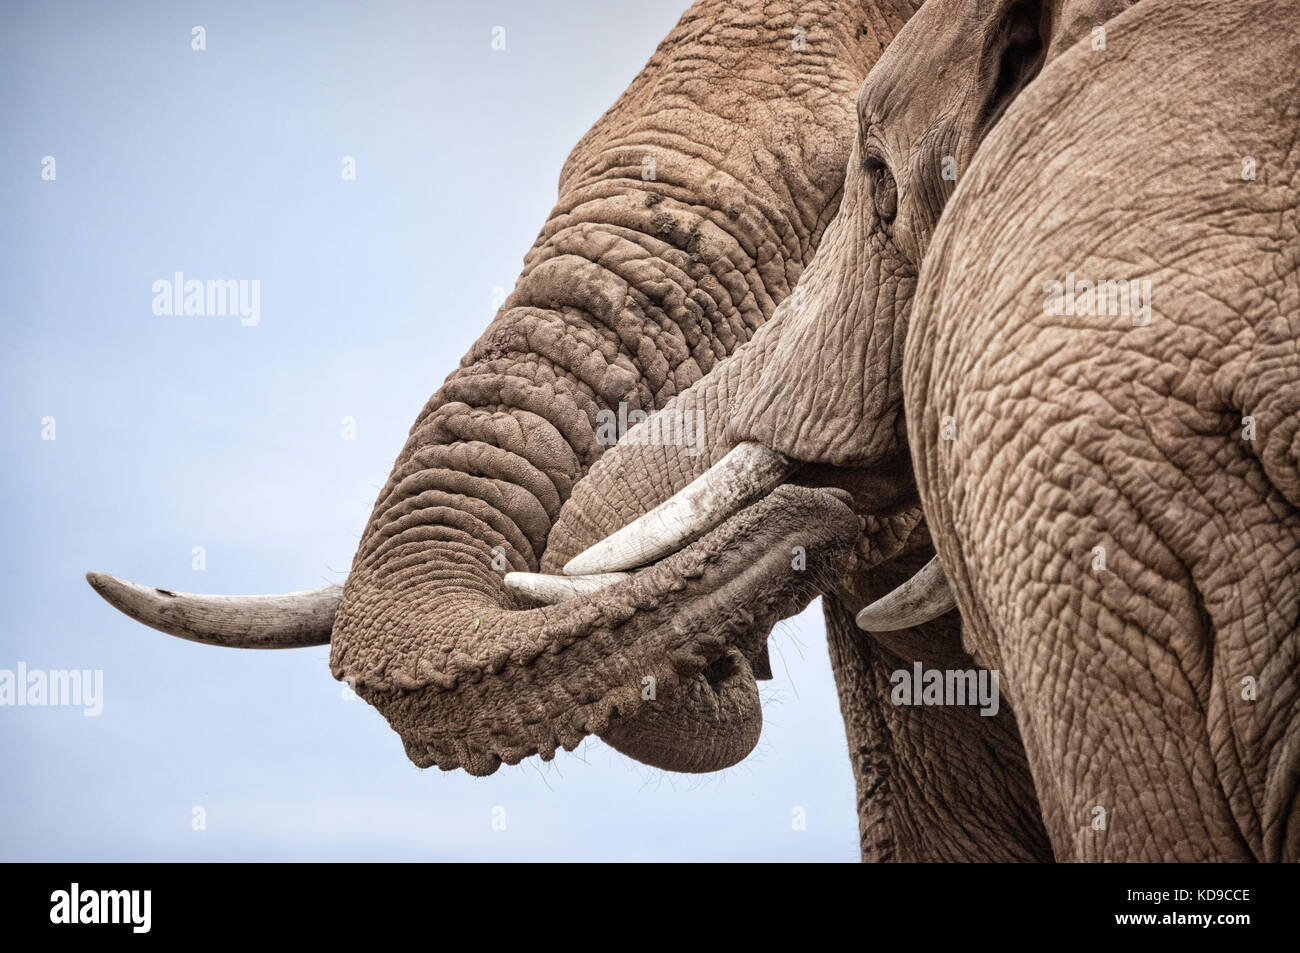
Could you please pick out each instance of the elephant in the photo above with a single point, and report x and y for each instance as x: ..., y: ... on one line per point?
x: 684, y: 216
x: 678, y: 295
x: 1121, y: 524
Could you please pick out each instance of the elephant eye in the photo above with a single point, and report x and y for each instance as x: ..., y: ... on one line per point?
x: 884, y: 191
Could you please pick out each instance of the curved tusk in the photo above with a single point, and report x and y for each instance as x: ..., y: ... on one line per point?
x: 925, y: 596
x: 285, y: 621
x: 553, y: 589
x: 748, y: 471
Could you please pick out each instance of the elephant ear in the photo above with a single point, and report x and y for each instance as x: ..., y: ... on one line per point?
x: 1016, y: 39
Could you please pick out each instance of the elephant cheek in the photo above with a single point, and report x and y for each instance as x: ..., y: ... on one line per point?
x: 711, y: 722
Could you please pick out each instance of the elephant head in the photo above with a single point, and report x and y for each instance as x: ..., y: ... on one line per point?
x: 684, y: 217
x: 817, y: 395
x: 816, y: 398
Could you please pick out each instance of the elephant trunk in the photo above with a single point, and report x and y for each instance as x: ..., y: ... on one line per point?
x: 628, y: 296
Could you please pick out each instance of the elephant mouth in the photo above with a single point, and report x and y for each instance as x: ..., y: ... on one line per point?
x: 771, y: 535
x: 716, y: 601
x: 751, y: 541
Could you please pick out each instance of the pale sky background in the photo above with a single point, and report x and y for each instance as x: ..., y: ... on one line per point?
x: 176, y: 432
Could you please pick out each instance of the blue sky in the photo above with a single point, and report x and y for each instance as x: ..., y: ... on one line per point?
x: 179, y: 432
